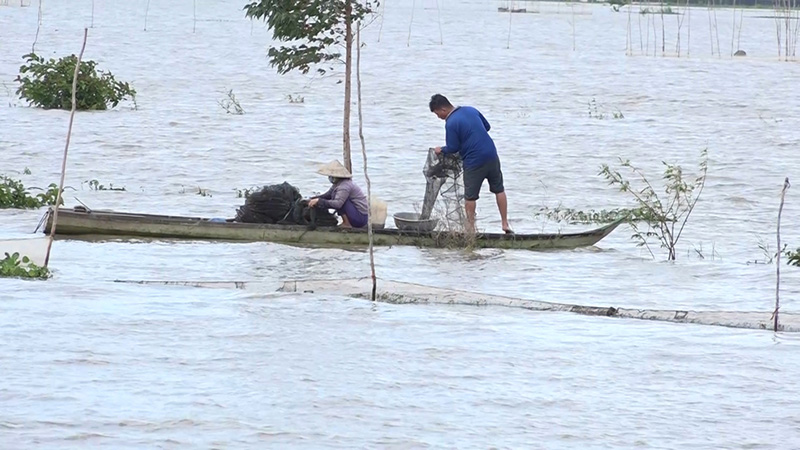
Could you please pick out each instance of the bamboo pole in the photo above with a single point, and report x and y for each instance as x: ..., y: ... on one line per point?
x: 348, y: 75
x: 383, y: 15
x: 630, y: 30
x: 413, y: 7
x: 733, y: 29
x: 146, y: 12
x: 778, y: 257
x: 439, y: 18
x: 66, y: 148
x: 508, y: 42
x: 38, y: 27
x: 364, y: 155
x: 572, y: 7
x: 689, y: 31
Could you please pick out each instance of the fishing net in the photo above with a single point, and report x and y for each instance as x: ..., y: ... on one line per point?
x: 282, y: 204
x: 443, y: 175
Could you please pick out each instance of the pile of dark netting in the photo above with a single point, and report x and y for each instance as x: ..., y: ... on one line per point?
x: 282, y: 204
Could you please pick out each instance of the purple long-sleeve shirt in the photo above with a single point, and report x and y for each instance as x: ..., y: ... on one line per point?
x: 342, y: 191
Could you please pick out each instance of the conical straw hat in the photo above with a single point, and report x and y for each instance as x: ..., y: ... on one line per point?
x: 334, y: 169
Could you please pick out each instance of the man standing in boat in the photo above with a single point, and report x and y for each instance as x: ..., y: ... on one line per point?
x: 467, y: 133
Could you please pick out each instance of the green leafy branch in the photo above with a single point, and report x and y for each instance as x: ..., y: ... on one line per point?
x: 667, y: 213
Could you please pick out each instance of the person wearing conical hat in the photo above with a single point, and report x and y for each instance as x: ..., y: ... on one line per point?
x: 344, y: 196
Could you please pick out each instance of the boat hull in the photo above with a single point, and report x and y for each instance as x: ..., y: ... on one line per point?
x: 110, y: 224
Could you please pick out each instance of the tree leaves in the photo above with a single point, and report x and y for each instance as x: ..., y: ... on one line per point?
x: 310, y: 30
x: 13, y: 194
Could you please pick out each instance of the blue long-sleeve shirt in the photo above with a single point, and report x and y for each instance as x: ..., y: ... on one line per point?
x: 467, y: 132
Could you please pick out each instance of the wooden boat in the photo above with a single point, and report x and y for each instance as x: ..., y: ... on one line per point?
x: 95, y: 224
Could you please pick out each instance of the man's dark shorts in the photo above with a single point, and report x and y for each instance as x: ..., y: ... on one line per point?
x: 473, y: 179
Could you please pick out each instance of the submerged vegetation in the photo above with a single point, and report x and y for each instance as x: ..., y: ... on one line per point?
x: 14, y: 266
x: 48, y: 84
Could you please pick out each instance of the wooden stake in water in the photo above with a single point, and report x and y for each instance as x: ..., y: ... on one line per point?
x: 66, y: 148
x: 364, y: 155
x: 778, y: 257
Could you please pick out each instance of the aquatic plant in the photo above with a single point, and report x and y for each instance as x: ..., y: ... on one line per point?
x: 768, y: 254
x: 14, y: 194
x: 574, y: 216
x: 13, y: 266
x: 95, y: 185
x: 594, y: 113
x: 664, y: 213
x: 48, y: 84
x: 296, y: 99
x: 231, y: 103
x: 244, y: 193
x: 321, y: 27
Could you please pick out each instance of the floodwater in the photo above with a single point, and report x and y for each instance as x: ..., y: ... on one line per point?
x: 90, y: 362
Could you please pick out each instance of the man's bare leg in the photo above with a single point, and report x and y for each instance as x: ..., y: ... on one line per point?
x: 502, y: 205
x: 469, y: 205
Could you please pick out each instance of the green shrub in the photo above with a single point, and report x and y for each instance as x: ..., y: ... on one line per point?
x: 13, y: 194
x: 48, y: 84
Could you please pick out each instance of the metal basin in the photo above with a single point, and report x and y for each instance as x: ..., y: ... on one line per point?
x: 408, y: 221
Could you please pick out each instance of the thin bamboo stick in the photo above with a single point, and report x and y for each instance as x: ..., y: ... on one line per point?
x: 508, y: 43
x: 364, y: 155
x: 38, y: 27
x: 778, y: 256
x: 413, y: 7
x: 383, y: 15
x: 146, y: 12
x: 733, y: 29
x: 439, y: 18
x: 66, y: 148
